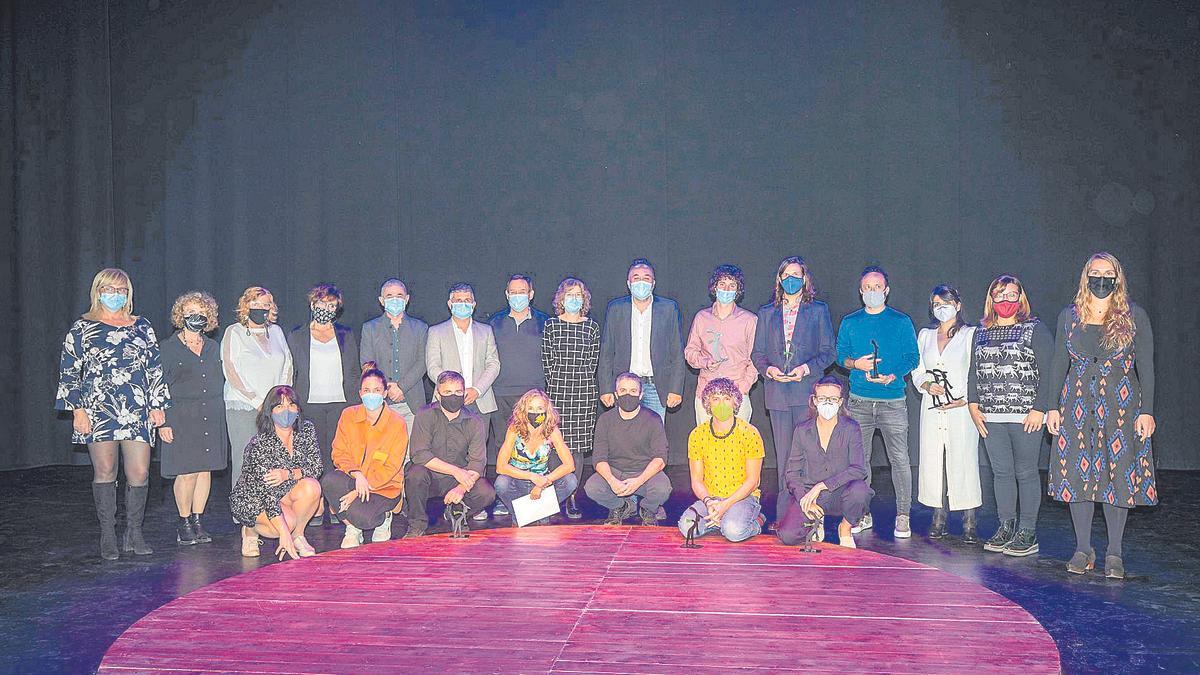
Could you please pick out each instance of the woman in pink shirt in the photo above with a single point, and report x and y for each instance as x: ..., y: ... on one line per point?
x: 722, y: 339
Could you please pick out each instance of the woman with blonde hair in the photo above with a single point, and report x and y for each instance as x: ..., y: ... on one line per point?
x: 570, y: 352
x: 523, y: 462
x: 194, y: 434
x: 110, y: 377
x: 1104, y: 368
x: 255, y: 356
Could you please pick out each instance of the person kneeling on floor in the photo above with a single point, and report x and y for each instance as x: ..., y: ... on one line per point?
x: 725, y: 456
x: 367, y: 484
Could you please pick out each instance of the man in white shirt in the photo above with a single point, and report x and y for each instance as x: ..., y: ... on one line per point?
x: 467, y: 347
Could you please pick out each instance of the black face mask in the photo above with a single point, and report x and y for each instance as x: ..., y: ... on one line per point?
x: 452, y: 403
x: 258, y: 316
x: 1102, y: 287
x: 628, y: 402
x: 536, y: 419
x: 195, y: 322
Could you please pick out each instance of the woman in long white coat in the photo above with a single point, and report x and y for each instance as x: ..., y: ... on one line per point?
x: 949, y: 472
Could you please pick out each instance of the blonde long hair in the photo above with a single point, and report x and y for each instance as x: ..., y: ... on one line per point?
x: 520, y: 424
x: 105, y: 277
x: 1118, y: 320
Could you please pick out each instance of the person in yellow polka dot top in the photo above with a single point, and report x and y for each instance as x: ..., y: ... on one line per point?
x: 725, y: 455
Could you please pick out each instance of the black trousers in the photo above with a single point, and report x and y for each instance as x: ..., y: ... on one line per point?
x: 366, y: 515
x: 421, y: 484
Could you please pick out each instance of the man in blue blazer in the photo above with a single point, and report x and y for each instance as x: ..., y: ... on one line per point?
x: 643, y: 334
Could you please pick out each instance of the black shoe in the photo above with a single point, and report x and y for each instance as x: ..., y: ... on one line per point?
x: 573, y: 511
x: 185, y: 535
x: 649, y: 517
x: 938, y: 529
x: 105, y: 496
x: 135, y: 513
x: 970, y: 534
x: 414, y: 531
x: 1114, y: 567
x: 1023, y: 543
x: 1008, y: 530
x: 202, y: 535
x: 617, y: 515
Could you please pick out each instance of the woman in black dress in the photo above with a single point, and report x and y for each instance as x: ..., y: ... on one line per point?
x: 110, y: 378
x: 1104, y: 366
x: 194, y: 435
x: 570, y: 349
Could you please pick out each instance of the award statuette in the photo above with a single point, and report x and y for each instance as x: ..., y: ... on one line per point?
x: 940, y: 377
x: 875, y: 359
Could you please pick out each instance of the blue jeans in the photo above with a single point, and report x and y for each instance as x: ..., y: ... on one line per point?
x: 509, y: 488
x: 891, y: 418
x: 739, y: 523
x: 651, y: 401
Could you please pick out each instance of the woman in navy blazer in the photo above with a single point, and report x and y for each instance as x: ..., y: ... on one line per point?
x: 793, y: 346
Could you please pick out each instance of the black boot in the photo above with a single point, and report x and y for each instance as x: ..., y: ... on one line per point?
x: 105, y: 497
x: 938, y: 529
x: 135, y: 512
x: 202, y: 535
x: 185, y: 534
x: 970, y: 536
x: 1004, y: 535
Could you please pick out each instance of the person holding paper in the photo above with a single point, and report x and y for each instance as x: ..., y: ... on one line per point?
x: 447, y: 451
x: 629, y: 454
x: 725, y: 457
x: 523, y: 462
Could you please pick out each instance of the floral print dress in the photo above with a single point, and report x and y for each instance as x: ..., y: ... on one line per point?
x: 115, y: 373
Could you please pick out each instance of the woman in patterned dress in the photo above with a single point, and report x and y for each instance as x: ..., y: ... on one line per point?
x: 111, y: 378
x: 570, y: 349
x: 1104, y: 360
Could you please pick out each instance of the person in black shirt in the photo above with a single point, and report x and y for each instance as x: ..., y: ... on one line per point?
x: 629, y: 455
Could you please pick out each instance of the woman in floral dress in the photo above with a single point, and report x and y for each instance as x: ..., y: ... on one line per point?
x: 111, y: 378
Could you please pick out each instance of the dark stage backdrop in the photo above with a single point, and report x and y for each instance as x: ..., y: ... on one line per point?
x: 215, y: 145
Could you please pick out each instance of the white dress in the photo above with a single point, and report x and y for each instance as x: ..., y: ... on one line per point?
x: 951, y: 430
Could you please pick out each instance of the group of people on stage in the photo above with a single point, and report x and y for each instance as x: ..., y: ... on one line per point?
x: 328, y: 422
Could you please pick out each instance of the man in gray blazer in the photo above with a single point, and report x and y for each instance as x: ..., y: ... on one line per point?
x: 649, y: 343
x: 395, y: 341
x: 465, y: 346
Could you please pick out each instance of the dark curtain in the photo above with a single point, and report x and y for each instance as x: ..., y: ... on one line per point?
x: 217, y: 145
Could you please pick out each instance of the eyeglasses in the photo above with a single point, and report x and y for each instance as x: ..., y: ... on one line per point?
x: 115, y: 289
x: 1011, y: 296
x: 837, y: 400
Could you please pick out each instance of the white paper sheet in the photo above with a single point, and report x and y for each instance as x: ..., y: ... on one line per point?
x: 526, y: 509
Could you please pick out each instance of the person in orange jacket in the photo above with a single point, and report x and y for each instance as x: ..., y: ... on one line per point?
x: 366, y: 484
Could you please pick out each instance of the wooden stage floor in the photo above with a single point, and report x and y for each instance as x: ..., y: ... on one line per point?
x: 588, y: 599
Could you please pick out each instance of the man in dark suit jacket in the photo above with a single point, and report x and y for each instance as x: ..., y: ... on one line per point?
x: 395, y: 341
x: 643, y: 334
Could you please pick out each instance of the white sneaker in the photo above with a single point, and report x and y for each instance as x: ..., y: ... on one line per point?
x: 481, y: 516
x: 847, y: 542
x: 500, y: 509
x: 903, y: 528
x: 865, y: 524
x: 384, y: 531
x: 353, y: 537
x: 304, y: 548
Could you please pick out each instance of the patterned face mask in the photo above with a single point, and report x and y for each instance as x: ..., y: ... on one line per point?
x: 536, y: 419
x: 323, y: 315
x: 195, y: 322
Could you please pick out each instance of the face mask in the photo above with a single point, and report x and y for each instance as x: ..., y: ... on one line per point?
x: 452, y: 403
x: 113, y: 301
x: 258, y: 316
x: 372, y: 401
x: 1006, y: 309
x: 535, y: 419
x: 462, y: 310
x: 1101, y: 287
x: 285, y: 418
x: 195, y: 322
x: 944, y: 312
x: 721, y: 411
x: 518, y: 302
x: 395, y: 306
x: 874, y: 299
x: 629, y: 402
x: 573, y: 305
x: 323, y: 316
x: 792, y: 285
x: 641, y: 289
x: 726, y: 297
x: 827, y: 410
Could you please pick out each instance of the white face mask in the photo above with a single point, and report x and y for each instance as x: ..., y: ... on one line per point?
x: 827, y: 410
x: 944, y: 312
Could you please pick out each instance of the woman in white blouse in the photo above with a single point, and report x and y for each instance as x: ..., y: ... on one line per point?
x: 255, y: 355
x: 949, y: 460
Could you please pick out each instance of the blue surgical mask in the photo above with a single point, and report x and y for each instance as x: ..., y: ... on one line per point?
x: 641, y: 289
x: 874, y: 299
x: 572, y: 305
x: 518, y: 302
x: 372, y: 401
x: 726, y: 297
x: 113, y: 301
x: 792, y: 285
x: 284, y: 418
x: 395, y: 306
x: 462, y: 310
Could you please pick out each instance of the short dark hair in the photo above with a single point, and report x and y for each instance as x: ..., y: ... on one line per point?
x: 448, y: 375
x: 392, y: 280
x: 461, y: 286
x: 373, y: 372
x: 518, y: 277
x: 641, y: 262
x: 278, y: 393
x: 727, y: 272
x: 627, y: 375
x: 875, y: 269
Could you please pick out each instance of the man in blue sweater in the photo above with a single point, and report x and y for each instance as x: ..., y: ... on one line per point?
x: 877, y: 386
